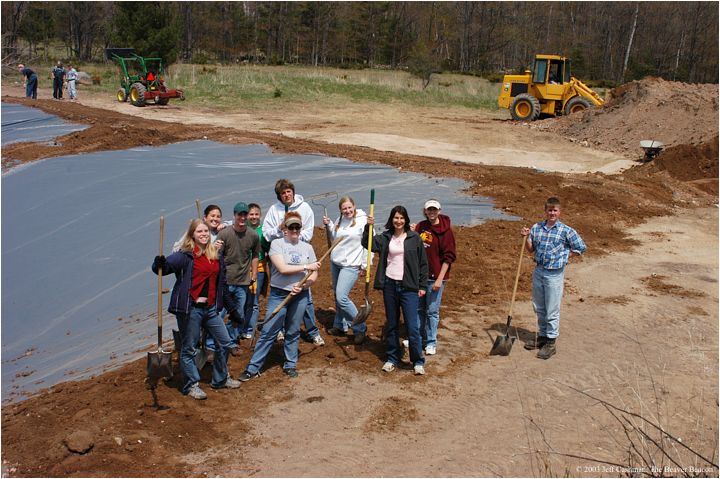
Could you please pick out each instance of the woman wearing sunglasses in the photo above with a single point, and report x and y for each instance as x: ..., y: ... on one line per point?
x: 290, y: 260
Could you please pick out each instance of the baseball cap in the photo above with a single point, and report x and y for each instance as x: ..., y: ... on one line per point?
x: 241, y: 208
x: 432, y: 204
x: 293, y: 220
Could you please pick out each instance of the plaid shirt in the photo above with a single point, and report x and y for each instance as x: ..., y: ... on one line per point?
x: 553, y: 245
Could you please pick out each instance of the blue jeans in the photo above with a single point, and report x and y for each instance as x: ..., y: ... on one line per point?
x: 547, y: 291
x: 244, y: 302
x: 251, y: 322
x: 344, y: 279
x: 288, y: 318
x: 72, y: 91
x: 31, y: 87
x: 429, y: 312
x: 308, y: 317
x: 189, y: 326
x: 397, y: 298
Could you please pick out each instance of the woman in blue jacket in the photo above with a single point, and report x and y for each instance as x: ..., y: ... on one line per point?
x: 195, y: 300
x: 402, y: 275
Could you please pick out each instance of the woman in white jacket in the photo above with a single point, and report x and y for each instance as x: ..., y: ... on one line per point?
x: 349, y: 260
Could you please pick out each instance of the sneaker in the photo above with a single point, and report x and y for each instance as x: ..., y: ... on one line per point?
x: 336, y: 331
x: 230, y: 383
x: 406, y: 343
x: 318, y: 340
x: 430, y: 350
x: 196, y: 393
x: 246, y: 376
x: 246, y: 336
x: 291, y: 372
x: 548, y: 350
x: 359, y: 338
x: 536, y: 343
x: 419, y: 369
x: 281, y: 336
x: 388, y: 367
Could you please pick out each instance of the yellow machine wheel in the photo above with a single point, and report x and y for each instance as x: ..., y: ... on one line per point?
x: 137, y: 94
x: 525, y: 107
x: 121, y: 96
x: 577, y: 104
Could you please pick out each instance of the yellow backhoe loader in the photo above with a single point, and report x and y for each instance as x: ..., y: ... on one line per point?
x: 548, y: 89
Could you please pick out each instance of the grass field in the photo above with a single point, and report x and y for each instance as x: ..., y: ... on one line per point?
x: 255, y: 87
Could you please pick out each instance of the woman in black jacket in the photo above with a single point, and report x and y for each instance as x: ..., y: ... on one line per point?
x: 402, y: 274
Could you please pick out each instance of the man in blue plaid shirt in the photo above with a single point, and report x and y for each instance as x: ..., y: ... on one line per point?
x: 552, y: 243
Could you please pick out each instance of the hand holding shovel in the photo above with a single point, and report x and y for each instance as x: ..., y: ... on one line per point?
x: 366, y: 309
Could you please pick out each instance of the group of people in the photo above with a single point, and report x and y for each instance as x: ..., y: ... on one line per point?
x: 222, y: 269
x: 60, y: 77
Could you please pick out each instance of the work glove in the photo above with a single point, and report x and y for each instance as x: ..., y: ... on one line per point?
x: 236, y: 319
x: 160, y: 262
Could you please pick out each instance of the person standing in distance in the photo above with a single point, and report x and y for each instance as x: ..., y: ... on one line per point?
x: 31, y: 81
x: 58, y: 75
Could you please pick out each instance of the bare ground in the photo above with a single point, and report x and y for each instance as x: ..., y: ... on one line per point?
x: 639, y: 330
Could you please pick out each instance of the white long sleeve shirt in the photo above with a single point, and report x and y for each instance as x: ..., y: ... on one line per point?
x: 276, y: 214
x: 350, y: 251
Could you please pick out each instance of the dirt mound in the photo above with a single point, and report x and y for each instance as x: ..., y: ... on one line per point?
x: 673, y: 113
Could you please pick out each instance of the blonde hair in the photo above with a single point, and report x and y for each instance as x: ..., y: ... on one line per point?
x: 345, y: 199
x: 188, y: 242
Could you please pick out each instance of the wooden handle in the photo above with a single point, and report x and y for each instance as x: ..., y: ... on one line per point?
x: 517, y: 277
x: 307, y: 275
x: 160, y: 275
x: 197, y: 205
x: 370, y: 237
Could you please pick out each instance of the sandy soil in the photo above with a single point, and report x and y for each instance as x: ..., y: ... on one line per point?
x: 639, y: 330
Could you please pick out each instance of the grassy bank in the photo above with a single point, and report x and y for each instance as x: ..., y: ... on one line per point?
x: 256, y: 87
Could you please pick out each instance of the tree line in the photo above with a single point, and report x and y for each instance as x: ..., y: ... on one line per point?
x: 612, y: 41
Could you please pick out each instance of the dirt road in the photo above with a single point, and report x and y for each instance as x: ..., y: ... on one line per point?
x: 639, y: 329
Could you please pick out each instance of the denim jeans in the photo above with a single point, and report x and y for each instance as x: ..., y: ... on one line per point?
x: 397, y: 298
x: 31, y: 87
x: 72, y: 91
x: 308, y: 318
x: 288, y: 319
x: 429, y: 312
x: 343, y: 280
x: 547, y: 291
x: 251, y: 321
x: 189, y: 326
x: 244, y: 302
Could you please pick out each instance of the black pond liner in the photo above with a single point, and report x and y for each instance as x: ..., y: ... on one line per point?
x: 79, y: 234
x: 21, y: 123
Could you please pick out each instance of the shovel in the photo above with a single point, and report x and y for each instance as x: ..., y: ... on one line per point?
x: 503, y: 344
x: 366, y: 309
x: 159, y: 363
x: 259, y: 325
x: 323, y: 199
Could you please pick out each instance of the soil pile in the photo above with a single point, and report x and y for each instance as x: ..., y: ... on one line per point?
x: 673, y: 113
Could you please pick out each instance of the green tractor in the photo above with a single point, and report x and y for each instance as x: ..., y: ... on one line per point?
x: 143, y: 79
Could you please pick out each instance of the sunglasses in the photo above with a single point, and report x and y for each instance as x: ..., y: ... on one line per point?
x: 294, y: 227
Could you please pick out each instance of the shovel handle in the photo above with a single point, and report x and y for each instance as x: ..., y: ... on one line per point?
x: 517, y: 278
x: 160, y: 275
x: 197, y: 205
x: 370, y: 238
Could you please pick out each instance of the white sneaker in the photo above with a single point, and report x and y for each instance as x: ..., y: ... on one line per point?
x: 318, y: 340
x: 419, y: 369
x: 388, y: 367
x: 196, y: 393
x: 430, y: 350
x: 406, y: 343
x: 281, y: 336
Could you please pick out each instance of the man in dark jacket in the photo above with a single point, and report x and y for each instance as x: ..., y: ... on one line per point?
x: 58, y: 74
x: 31, y: 81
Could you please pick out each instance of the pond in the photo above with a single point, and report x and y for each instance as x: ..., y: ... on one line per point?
x: 79, y: 234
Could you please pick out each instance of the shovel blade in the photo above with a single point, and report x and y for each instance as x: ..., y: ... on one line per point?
x: 502, y: 346
x: 363, y: 313
x: 159, y: 365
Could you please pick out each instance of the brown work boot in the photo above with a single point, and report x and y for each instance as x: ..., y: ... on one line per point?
x: 536, y: 343
x: 547, y: 350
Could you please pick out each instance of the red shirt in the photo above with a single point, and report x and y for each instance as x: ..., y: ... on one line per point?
x: 204, y: 271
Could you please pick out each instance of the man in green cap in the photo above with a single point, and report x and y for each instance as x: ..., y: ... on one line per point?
x: 241, y: 247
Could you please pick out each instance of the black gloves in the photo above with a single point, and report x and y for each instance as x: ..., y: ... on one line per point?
x: 160, y: 262
x: 236, y: 319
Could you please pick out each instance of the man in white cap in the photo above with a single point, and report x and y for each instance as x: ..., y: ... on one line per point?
x: 31, y: 81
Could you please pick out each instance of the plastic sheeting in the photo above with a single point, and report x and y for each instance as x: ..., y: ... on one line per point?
x: 21, y: 123
x: 79, y: 234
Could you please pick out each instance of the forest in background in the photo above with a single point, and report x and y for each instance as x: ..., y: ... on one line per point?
x: 611, y: 42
